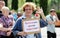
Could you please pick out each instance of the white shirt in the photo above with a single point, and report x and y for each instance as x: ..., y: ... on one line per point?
x: 51, y: 27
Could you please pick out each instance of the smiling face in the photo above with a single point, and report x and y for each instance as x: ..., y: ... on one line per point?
x: 28, y: 10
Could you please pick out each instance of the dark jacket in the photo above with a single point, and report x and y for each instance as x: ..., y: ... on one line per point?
x: 18, y: 26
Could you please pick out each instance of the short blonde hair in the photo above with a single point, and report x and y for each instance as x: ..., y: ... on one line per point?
x: 4, y: 8
x: 29, y: 4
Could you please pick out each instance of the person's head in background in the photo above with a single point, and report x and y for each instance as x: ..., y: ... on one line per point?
x: 53, y: 12
x: 28, y: 8
x: 5, y: 11
x: 19, y: 15
x: 13, y: 11
x: 2, y: 3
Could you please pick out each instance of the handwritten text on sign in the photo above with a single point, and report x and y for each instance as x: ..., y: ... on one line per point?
x: 31, y: 26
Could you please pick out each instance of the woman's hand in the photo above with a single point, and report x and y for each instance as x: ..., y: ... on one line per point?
x: 22, y: 33
x: 40, y: 11
x: 9, y: 30
x: 9, y: 33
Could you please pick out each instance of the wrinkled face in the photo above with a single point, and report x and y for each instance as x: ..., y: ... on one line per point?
x: 5, y: 12
x: 28, y: 10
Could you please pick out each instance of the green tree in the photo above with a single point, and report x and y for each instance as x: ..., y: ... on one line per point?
x: 36, y: 2
x: 14, y: 4
x: 43, y: 4
x: 6, y: 2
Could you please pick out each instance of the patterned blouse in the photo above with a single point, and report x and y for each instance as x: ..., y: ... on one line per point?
x: 7, y: 22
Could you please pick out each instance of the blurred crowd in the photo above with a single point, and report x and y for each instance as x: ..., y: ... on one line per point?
x: 11, y: 21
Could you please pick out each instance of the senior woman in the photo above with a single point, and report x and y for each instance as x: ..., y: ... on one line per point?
x: 28, y: 9
x: 6, y: 23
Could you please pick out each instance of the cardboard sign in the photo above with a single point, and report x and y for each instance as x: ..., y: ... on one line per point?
x: 31, y: 25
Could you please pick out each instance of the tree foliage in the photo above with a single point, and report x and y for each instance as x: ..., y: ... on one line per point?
x: 29, y: 0
x: 6, y: 2
x: 43, y: 4
x: 14, y: 4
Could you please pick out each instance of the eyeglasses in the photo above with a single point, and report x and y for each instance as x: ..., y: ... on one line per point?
x: 28, y: 9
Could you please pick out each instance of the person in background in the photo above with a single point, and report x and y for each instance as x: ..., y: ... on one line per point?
x: 51, y: 19
x: 2, y: 3
x: 6, y: 23
x: 19, y: 14
x: 14, y: 14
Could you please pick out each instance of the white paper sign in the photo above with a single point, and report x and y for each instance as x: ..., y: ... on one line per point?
x: 31, y: 25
